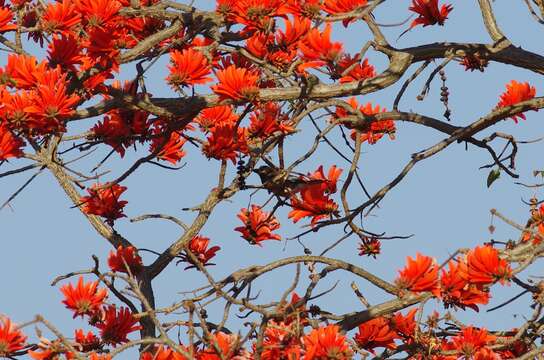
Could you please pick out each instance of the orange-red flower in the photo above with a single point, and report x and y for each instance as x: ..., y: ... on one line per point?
x: 358, y: 70
x: 22, y: 70
x: 98, y: 13
x: 474, y: 61
x: 457, y: 291
x: 96, y: 356
x: 471, y: 339
x: 83, y: 299
x: 318, y: 49
x: 170, y: 150
x: 163, y: 353
x: 123, y: 257
x: 199, y: 247
x: 226, y: 344
x: 369, y: 132
x: 237, y: 84
x: 335, y: 7
x: 6, y: 16
x: 115, y: 326
x: 327, y: 183
x: 60, y: 17
x: 267, y: 120
x: 429, y: 13
x: 370, y: 247
x: 405, y: 325
x: 215, y: 116
x: 64, y: 51
x: 224, y: 144
x: 515, y: 93
x: 258, y: 225
x: 420, y: 274
x: 326, y: 343
x: 50, y: 103
x: 88, y: 342
x: 103, y: 200
x: 256, y: 14
x: 188, y: 67
x: 11, y: 338
x: 280, y: 342
x: 314, y: 200
x: 376, y: 333
x: 120, y: 126
x: 314, y: 203
x: 50, y: 350
x: 10, y: 145
x: 485, y: 266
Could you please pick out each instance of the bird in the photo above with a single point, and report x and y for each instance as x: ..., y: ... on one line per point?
x: 281, y: 182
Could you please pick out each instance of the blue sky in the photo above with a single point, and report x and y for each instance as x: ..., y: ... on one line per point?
x: 444, y: 201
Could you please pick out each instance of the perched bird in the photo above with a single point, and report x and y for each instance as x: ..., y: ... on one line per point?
x: 282, y: 183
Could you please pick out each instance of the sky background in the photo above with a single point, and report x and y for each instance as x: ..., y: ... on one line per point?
x: 443, y: 202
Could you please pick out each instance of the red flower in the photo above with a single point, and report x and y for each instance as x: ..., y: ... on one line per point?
x: 470, y: 340
x: 60, y: 17
x: 376, y: 333
x: 95, y: 356
x: 280, y: 342
x: 10, y: 145
x: 371, y: 247
x: 123, y: 257
x: 226, y: 344
x: 326, y: 343
x: 369, y: 132
x: 199, y: 247
x: 515, y: 93
x: 188, y: 67
x: 224, y: 144
x: 318, y: 49
x: 103, y: 200
x: 328, y: 183
x: 258, y: 225
x: 102, y: 50
x: 237, y: 84
x: 51, y: 104
x: 267, y: 120
x: 429, y: 13
x: 419, y: 275
x: 11, y: 338
x: 6, y: 16
x: 64, y: 51
x: 50, y: 350
x: 312, y: 203
x: 119, y: 128
x: 99, y: 13
x: 359, y: 70
x: 474, y: 61
x: 485, y: 266
x: 405, y: 325
x: 170, y: 150
x: 457, y: 291
x: 86, y: 343
x: 22, y: 70
x: 216, y: 116
x: 334, y: 7
x: 163, y: 353
x: 85, y: 298
x: 256, y: 14
x: 115, y: 326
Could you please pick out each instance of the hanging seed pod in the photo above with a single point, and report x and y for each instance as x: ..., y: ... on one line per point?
x: 444, y: 94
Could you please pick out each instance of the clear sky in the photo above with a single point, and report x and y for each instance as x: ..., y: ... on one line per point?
x: 444, y: 201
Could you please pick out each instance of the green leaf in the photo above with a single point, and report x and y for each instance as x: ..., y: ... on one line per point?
x: 493, y: 175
